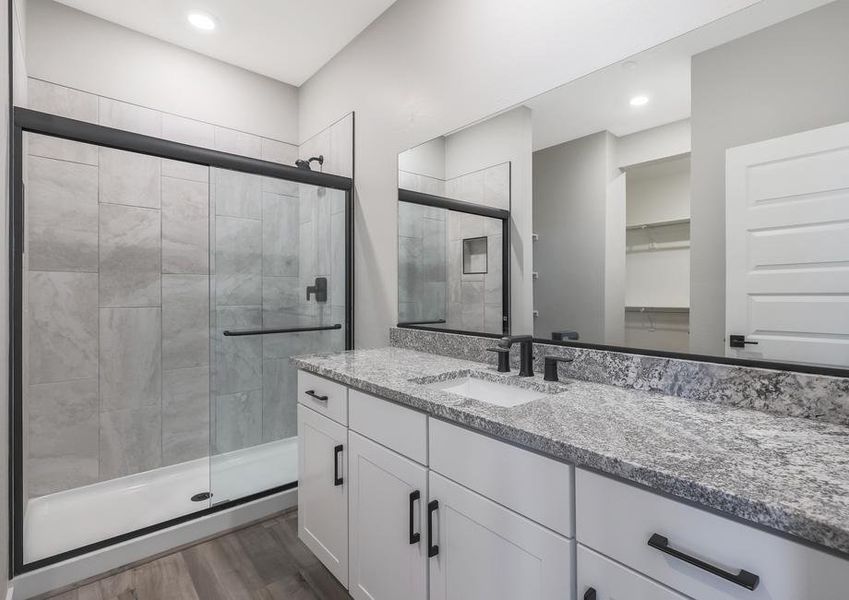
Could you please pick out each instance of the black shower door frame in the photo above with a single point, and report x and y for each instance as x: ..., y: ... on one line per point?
x: 30, y: 121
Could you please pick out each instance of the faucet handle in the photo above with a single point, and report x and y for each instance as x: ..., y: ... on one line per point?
x: 503, y: 358
x: 550, y: 367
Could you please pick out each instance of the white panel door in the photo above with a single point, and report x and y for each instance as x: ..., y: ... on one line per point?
x: 388, y: 551
x: 483, y: 551
x: 787, y: 247
x: 323, y: 490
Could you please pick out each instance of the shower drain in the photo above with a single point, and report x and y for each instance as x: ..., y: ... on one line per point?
x: 201, y: 497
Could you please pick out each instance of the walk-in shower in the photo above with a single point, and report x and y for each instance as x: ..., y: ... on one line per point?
x: 158, y: 292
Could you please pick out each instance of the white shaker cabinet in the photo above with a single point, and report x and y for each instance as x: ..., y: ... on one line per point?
x: 388, y: 550
x: 483, y: 551
x: 323, y: 490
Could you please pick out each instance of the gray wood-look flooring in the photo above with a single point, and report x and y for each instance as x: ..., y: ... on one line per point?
x: 265, y: 561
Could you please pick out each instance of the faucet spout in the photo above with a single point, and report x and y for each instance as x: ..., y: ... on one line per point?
x: 526, y: 352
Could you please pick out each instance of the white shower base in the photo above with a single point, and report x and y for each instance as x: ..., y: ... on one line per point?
x: 73, y: 518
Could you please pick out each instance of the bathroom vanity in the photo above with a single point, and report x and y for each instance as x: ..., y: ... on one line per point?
x: 412, y: 487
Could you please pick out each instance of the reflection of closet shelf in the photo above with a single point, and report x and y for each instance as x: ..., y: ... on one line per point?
x: 658, y: 309
x: 656, y: 224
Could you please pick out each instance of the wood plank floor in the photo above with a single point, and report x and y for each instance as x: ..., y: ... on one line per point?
x: 265, y: 561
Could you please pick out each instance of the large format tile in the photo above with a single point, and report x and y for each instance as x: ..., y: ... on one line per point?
x: 185, y: 415
x: 63, y: 429
x: 472, y: 316
x: 279, y: 400
x: 61, y: 326
x: 65, y: 102
x: 238, y: 421
x: 496, y: 186
x: 237, y: 194
x: 238, y: 142
x: 130, y: 117
x: 130, y: 441
x: 279, y: 152
x: 238, y: 360
x: 130, y: 256
x: 61, y: 216
x: 130, y: 358
x: 337, y: 264
x: 185, y: 321
x: 280, y: 231
x: 409, y: 269
x: 238, y: 261
x: 188, y: 131
x: 185, y: 226
x: 129, y: 178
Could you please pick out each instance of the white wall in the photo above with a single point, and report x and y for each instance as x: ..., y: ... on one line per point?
x: 77, y: 50
x: 656, y: 143
x: 425, y: 68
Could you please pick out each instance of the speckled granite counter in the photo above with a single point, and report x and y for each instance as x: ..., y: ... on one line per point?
x: 786, y: 473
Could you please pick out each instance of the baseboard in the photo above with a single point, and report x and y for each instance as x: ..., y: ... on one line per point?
x: 10, y: 592
x: 82, y: 568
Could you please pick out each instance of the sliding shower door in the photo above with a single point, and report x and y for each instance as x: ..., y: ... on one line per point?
x: 115, y: 343
x: 277, y: 289
x: 158, y: 293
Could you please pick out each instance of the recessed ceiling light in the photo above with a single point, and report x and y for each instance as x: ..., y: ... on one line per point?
x: 639, y: 100
x: 201, y: 21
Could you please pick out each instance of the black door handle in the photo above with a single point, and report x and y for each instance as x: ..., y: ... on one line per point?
x: 589, y: 594
x: 739, y: 341
x: 432, y: 549
x: 319, y: 397
x: 415, y: 536
x: 337, y: 480
x: 743, y: 578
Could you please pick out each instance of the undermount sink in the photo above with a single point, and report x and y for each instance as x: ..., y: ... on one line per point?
x: 499, y: 394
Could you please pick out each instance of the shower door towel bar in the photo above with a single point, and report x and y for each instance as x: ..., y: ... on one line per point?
x: 229, y: 333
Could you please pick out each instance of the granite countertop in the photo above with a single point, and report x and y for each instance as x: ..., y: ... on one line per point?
x: 789, y: 474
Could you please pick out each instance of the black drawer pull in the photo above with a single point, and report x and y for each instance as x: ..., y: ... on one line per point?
x: 415, y: 536
x: 590, y: 594
x: 337, y: 480
x: 432, y: 549
x: 743, y: 578
x: 312, y: 394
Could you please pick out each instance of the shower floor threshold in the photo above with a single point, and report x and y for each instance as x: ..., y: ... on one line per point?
x: 67, y: 520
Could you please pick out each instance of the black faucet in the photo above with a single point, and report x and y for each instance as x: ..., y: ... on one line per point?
x: 503, y: 358
x: 526, y: 352
x: 550, y: 370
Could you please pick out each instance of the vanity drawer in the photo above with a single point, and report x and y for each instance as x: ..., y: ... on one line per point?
x: 323, y: 396
x: 401, y: 429
x: 530, y: 484
x: 612, y: 581
x: 618, y: 520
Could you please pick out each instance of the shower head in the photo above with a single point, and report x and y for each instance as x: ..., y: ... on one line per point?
x: 305, y: 164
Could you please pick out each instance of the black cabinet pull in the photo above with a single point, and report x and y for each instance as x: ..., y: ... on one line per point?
x: 337, y: 480
x: 319, y: 397
x: 432, y: 549
x: 589, y: 594
x: 743, y: 578
x: 739, y: 341
x: 415, y: 536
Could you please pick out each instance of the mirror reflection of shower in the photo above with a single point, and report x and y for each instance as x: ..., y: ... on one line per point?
x: 307, y: 164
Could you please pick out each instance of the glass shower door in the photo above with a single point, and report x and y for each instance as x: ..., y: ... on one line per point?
x: 277, y: 289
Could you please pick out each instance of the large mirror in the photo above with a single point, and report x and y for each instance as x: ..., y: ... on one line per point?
x: 693, y: 199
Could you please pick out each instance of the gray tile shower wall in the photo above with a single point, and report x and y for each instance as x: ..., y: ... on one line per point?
x: 118, y: 277
x: 785, y: 393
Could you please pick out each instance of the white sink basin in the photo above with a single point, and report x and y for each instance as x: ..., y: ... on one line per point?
x: 488, y: 391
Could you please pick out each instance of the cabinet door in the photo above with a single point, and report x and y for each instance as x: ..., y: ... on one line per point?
x: 599, y: 578
x: 323, y: 490
x: 388, y: 551
x: 483, y: 551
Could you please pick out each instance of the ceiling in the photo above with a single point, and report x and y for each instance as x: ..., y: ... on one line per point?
x: 600, y: 101
x: 287, y: 40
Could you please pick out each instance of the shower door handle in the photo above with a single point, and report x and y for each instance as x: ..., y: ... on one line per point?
x: 337, y: 479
